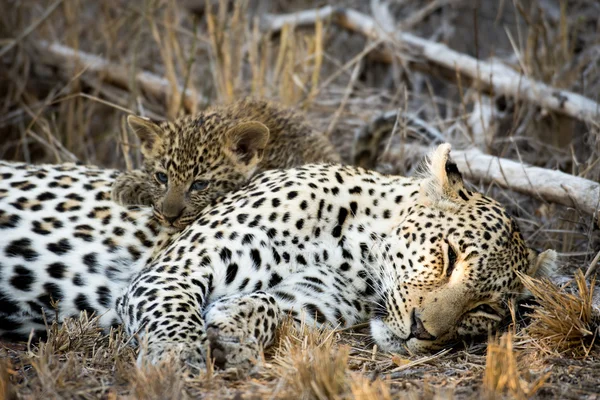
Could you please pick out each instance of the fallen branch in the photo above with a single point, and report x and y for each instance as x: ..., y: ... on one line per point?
x: 541, y: 183
x: 117, y: 75
x: 490, y: 77
x: 549, y: 185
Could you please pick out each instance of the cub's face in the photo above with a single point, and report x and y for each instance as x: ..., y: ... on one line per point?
x: 454, y: 263
x: 192, y: 161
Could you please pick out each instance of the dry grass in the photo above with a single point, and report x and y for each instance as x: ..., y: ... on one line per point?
x: 210, y: 51
x: 563, y: 323
x: 503, y: 374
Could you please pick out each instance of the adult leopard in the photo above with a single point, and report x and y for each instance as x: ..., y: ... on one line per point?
x: 425, y: 260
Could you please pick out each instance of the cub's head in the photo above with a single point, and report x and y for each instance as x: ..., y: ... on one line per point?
x: 453, y: 265
x: 193, y: 160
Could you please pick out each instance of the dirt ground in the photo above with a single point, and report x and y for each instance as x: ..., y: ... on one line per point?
x: 53, y: 109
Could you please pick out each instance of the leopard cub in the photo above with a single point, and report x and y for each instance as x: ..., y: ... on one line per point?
x: 191, y: 161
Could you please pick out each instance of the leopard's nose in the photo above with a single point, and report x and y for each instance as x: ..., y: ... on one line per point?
x: 417, y: 329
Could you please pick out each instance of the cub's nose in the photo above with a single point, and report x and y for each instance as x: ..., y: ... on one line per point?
x: 417, y: 330
x: 172, y: 214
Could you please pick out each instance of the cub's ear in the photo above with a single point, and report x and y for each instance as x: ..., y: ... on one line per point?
x: 247, y: 142
x: 148, y: 131
x: 542, y: 265
x: 442, y: 181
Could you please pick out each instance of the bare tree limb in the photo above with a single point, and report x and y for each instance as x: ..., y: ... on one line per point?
x: 117, y: 75
x: 541, y: 183
x: 491, y: 77
x: 554, y: 186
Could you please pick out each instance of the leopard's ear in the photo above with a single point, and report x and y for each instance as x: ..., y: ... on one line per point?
x: 247, y: 142
x: 442, y: 181
x: 148, y: 131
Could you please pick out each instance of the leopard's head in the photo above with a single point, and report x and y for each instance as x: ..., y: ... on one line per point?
x: 193, y: 160
x: 454, y: 264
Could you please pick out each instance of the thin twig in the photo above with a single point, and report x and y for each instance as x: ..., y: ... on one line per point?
x: 31, y: 28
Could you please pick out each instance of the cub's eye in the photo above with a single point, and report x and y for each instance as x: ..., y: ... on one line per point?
x: 451, y: 260
x: 485, y: 308
x: 199, y: 185
x: 161, y: 177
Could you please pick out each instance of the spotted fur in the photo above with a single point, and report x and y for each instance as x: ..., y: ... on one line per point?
x: 193, y: 160
x: 425, y: 260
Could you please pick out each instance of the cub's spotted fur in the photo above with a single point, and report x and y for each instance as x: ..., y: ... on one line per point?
x: 425, y: 260
x: 193, y: 160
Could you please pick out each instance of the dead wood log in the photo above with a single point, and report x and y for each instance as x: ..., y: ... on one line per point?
x: 541, y: 183
x: 72, y: 60
x: 491, y: 77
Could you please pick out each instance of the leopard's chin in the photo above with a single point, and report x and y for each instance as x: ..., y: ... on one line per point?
x: 389, y: 341
x: 386, y: 339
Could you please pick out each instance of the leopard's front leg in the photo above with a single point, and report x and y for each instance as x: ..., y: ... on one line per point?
x: 163, y: 310
x: 131, y: 189
x: 239, y: 327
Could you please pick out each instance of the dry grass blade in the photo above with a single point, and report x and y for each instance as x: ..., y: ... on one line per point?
x: 311, y: 364
x: 163, y: 381
x: 562, y: 322
x: 7, y: 390
x: 366, y: 389
x: 31, y: 28
x: 502, y: 372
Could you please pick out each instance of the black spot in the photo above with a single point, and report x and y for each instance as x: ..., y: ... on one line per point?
x: 241, y: 218
x: 56, y: 270
x: 52, y: 293
x: 316, y: 313
x: 22, y: 248
x: 355, y: 190
x: 285, y: 296
x: 232, y: 270
x: 275, y: 279
x: 276, y: 256
x: 256, y: 260
x: 8, y: 324
x: 353, y: 207
x: 91, y: 262
x: 8, y: 306
x: 292, y: 195
x: 82, y: 304
x: 225, y: 255
x: 23, y: 278
x: 300, y: 259
x: 244, y: 284
x: 339, y: 177
x: 61, y: 247
x: 342, y: 214
x: 104, y: 296
x: 11, y: 222
x: 46, y: 196
x: 78, y: 280
x: 258, y: 202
